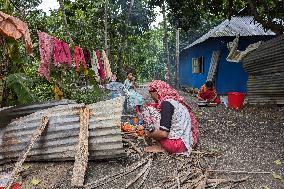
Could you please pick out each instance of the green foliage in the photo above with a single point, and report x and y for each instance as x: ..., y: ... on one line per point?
x: 18, y: 83
x: 82, y: 95
x: 190, y: 14
x: 143, y: 48
x: 43, y: 91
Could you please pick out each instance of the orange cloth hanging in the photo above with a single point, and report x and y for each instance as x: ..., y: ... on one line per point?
x: 15, y: 28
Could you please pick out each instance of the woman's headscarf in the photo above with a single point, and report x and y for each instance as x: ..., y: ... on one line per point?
x: 165, y: 91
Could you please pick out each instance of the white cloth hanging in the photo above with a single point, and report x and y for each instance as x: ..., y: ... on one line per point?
x: 235, y: 55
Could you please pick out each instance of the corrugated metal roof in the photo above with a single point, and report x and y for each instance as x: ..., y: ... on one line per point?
x: 62, y: 134
x: 244, y: 26
x: 13, y: 112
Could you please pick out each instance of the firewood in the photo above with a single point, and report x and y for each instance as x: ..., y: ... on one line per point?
x: 241, y: 172
x: 144, y: 178
x: 115, y: 176
x: 202, y: 183
x: 146, y: 167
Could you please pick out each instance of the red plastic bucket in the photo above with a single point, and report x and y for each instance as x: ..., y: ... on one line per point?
x: 236, y: 100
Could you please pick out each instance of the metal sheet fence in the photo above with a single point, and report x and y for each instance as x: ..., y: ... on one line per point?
x: 62, y: 134
x: 8, y: 114
x: 265, y: 67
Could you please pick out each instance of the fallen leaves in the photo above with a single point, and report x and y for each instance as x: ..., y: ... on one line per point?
x: 277, y: 162
x: 26, y: 166
x: 35, y: 182
x: 276, y: 176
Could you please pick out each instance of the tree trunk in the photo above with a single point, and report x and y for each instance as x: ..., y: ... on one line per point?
x: 177, y: 59
x: 124, y: 39
x: 4, y: 70
x: 106, y: 24
x: 61, y: 4
x: 166, y: 45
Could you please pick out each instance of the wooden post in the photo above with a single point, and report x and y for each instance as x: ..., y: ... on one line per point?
x: 177, y: 59
x: 82, y: 150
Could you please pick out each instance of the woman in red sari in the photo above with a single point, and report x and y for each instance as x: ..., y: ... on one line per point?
x: 208, y: 93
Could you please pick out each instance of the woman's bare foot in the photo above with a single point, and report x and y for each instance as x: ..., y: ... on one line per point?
x: 154, y: 149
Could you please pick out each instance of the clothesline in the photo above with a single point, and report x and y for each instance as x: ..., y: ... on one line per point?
x: 54, y: 51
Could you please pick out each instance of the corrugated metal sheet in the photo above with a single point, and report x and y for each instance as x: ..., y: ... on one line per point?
x: 8, y: 114
x: 59, y: 140
x: 244, y: 26
x: 265, y: 67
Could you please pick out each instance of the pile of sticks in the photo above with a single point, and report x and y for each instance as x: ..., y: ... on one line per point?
x: 194, y: 178
x: 139, y: 179
x: 191, y: 175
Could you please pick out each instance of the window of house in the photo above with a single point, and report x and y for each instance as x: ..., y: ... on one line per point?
x: 197, y: 65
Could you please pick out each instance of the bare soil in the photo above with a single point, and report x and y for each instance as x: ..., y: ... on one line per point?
x: 248, y: 140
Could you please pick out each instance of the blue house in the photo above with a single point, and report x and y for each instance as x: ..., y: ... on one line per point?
x: 195, y: 59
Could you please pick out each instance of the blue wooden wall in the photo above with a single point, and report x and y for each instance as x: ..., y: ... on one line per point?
x: 230, y: 76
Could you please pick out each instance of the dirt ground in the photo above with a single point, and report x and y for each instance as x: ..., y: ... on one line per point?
x: 248, y: 140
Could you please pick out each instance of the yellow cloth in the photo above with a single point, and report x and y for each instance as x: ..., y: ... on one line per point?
x: 86, y: 72
x: 58, y: 94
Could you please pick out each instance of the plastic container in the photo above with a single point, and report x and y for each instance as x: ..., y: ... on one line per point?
x: 236, y: 100
x: 135, y: 120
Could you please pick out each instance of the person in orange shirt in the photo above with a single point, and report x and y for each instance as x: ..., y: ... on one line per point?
x: 208, y: 93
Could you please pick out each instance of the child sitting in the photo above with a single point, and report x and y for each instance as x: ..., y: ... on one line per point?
x: 208, y: 93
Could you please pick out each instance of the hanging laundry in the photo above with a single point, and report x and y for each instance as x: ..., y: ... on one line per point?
x: 94, y: 62
x: 102, y: 73
x: 106, y: 65
x: 87, y: 56
x: 79, y: 58
x: 237, y: 56
x: 62, y: 53
x: 46, y: 52
x: 58, y: 94
x: 15, y: 28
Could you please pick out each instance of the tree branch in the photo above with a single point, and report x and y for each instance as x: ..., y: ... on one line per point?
x: 276, y: 28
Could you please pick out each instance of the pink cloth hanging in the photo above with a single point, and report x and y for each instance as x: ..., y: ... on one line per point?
x: 46, y: 51
x: 79, y: 58
x: 102, y: 72
x: 62, y: 53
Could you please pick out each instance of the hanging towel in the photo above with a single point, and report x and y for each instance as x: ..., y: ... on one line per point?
x: 62, y: 53
x: 102, y: 73
x: 106, y: 65
x: 94, y: 62
x: 15, y: 28
x: 46, y: 52
x: 79, y: 58
x: 87, y: 56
